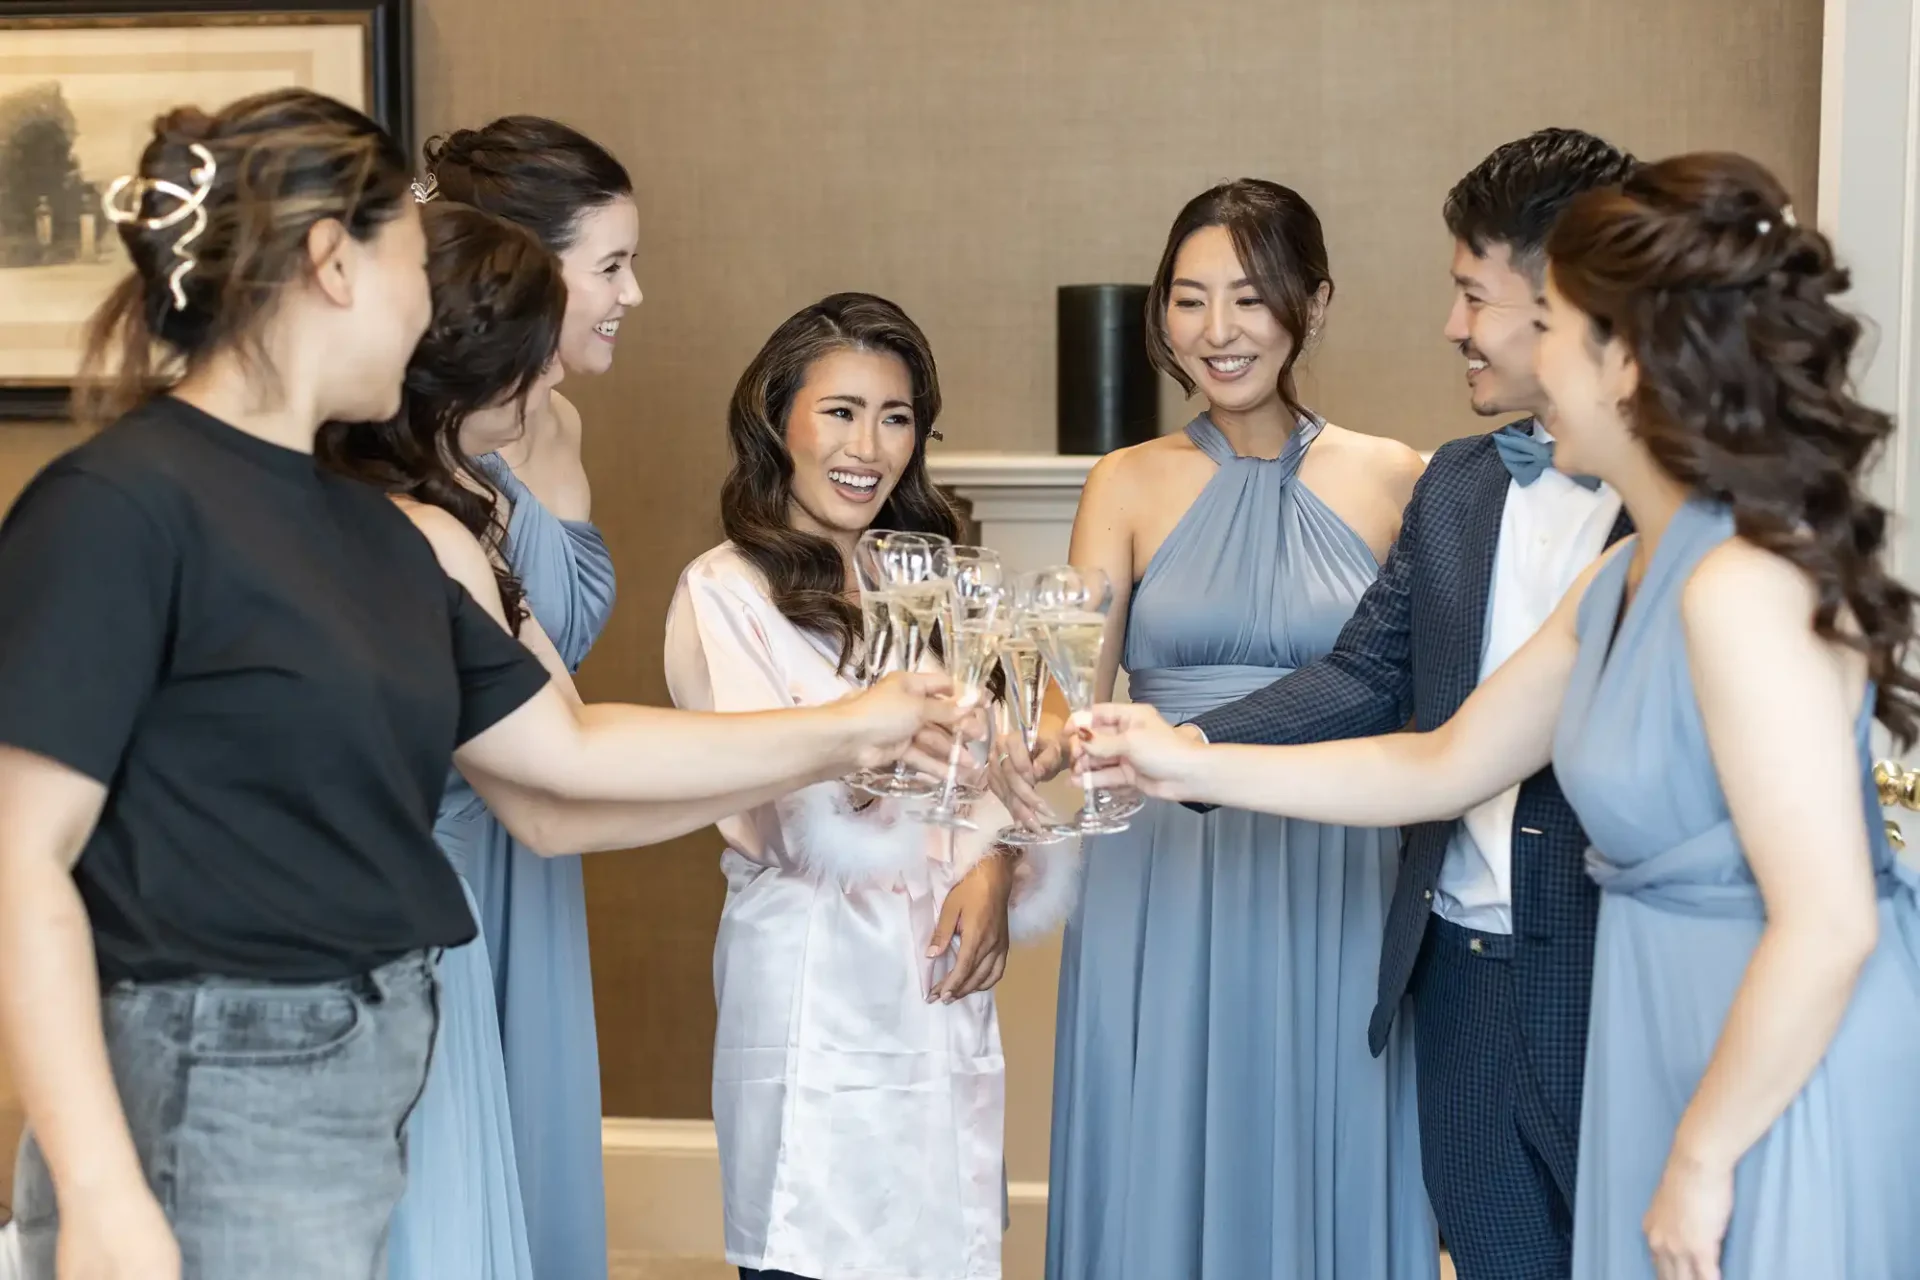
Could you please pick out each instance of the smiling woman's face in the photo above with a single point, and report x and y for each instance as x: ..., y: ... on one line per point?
x: 1225, y: 338
x: 601, y: 288
x: 851, y: 435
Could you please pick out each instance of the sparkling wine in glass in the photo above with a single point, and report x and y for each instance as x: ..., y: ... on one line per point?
x: 876, y: 629
x: 1025, y: 672
x: 1070, y: 606
x: 974, y: 623
x: 915, y: 573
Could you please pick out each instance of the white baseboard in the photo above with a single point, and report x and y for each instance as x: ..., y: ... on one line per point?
x: 663, y: 1198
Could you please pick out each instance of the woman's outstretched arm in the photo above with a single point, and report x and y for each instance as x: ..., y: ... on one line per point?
x: 1502, y: 735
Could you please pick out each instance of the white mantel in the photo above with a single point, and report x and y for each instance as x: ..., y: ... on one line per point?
x: 1017, y: 486
x: 1023, y: 502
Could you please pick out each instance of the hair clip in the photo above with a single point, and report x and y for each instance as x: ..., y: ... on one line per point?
x: 192, y: 205
x: 1764, y: 225
x: 427, y: 190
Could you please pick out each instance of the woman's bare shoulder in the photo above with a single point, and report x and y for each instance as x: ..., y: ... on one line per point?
x: 1392, y: 464
x: 1130, y: 475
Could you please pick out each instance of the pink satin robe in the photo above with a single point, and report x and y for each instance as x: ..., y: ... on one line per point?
x: 860, y: 1128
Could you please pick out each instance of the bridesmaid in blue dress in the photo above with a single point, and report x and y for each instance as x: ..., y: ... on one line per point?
x: 1216, y: 1112
x: 578, y: 200
x: 1706, y: 693
x: 462, y: 1216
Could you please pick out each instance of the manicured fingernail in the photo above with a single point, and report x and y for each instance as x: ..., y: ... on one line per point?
x: 932, y: 952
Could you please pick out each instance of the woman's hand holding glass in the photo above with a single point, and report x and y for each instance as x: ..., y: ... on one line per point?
x: 887, y: 721
x: 1129, y: 744
x: 1068, y: 607
x: 1016, y: 772
x: 1024, y: 753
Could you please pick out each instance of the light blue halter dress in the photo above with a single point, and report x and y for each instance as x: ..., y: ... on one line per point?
x: 1216, y: 1114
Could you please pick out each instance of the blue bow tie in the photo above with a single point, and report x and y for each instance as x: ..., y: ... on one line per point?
x: 1527, y: 455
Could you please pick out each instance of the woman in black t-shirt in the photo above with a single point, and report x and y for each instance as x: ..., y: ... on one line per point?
x: 231, y: 687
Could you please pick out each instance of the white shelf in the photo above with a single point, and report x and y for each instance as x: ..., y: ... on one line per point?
x: 1010, y: 470
x: 1015, y: 488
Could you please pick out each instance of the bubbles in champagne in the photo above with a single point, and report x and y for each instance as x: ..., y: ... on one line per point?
x: 1026, y: 673
x: 976, y: 646
x: 1071, y: 643
x: 876, y: 631
x: 913, y: 610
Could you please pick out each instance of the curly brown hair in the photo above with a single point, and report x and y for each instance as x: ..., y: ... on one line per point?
x: 497, y: 301
x: 1698, y: 265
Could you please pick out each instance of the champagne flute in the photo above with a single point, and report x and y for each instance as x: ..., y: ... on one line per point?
x: 914, y: 570
x: 973, y: 621
x: 1025, y: 672
x: 876, y: 628
x: 1071, y: 608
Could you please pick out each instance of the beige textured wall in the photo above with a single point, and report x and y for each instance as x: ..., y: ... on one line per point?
x: 965, y: 159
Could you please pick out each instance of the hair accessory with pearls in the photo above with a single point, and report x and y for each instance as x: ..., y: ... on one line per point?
x: 426, y: 190
x: 1787, y: 219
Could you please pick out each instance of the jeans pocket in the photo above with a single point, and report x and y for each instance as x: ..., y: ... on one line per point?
x: 274, y: 1027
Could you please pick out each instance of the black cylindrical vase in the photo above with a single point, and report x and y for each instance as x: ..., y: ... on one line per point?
x: 1108, y: 396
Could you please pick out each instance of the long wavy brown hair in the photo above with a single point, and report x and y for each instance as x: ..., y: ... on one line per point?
x: 1726, y: 304
x: 498, y: 298
x: 805, y: 573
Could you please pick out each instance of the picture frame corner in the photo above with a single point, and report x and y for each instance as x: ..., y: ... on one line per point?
x: 386, y: 72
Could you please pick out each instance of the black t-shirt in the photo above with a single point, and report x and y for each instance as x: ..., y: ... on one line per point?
x: 268, y: 669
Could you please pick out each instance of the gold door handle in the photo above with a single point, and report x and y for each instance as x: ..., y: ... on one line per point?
x: 1898, y: 785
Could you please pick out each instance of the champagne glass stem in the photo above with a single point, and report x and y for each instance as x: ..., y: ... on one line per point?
x: 910, y: 653
x: 953, y: 773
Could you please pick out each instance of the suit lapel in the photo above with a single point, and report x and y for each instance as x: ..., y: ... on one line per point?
x: 1480, y: 542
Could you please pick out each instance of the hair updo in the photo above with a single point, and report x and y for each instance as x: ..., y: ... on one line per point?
x: 283, y: 161
x: 498, y: 297
x: 1726, y: 303
x: 530, y: 170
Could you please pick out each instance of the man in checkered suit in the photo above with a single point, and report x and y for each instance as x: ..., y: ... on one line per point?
x: 1490, y: 935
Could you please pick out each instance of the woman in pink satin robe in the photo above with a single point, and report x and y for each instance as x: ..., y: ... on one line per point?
x: 858, y: 1083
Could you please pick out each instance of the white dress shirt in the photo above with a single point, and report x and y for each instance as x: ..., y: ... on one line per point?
x: 1550, y: 531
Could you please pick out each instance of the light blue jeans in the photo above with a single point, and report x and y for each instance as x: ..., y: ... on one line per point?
x: 270, y: 1120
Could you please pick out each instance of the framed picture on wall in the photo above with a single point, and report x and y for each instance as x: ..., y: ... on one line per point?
x: 80, y: 86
